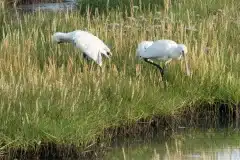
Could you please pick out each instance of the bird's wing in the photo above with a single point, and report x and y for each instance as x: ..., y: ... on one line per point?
x: 159, y: 49
x: 142, y: 46
x: 94, y: 41
x: 103, y: 48
x: 86, y: 44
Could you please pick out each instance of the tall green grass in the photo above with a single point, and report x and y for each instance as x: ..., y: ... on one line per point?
x: 49, y: 93
x: 126, y: 6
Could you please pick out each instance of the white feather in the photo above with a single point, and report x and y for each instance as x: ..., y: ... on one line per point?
x: 142, y: 46
x: 89, y: 44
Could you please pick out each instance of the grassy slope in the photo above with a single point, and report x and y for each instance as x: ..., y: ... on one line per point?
x: 48, y: 93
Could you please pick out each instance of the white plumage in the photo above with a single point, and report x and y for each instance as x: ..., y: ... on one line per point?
x: 142, y: 46
x: 91, y: 46
x: 165, y: 50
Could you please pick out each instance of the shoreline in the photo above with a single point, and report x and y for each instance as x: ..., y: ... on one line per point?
x: 213, y: 117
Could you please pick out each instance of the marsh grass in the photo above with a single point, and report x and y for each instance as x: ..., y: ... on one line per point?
x: 125, y: 6
x: 49, y: 93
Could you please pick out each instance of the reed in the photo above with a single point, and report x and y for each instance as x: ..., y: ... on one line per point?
x: 49, y: 93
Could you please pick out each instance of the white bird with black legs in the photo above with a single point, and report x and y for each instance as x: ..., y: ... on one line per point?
x: 91, y: 46
x: 164, y: 50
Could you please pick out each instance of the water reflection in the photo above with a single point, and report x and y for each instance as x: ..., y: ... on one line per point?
x: 188, y: 145
x: 230, y: 153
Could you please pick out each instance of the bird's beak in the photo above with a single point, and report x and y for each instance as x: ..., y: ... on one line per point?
x: 138, y: 57
x: 110, y: 54
x: 186, y: 65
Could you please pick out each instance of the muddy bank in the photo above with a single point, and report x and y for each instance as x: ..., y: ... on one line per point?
x: 204, y: 116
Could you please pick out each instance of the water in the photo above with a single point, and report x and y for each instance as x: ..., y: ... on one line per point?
x: 182, y: 145
x: 65, y: 5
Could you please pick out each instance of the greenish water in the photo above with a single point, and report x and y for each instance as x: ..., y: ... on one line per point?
x: 185, y: 144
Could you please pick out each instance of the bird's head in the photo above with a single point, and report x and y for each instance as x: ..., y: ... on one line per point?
x: 107, y: 51
x: 107, y: 54
x: 183, y: 51
x: 57, y: 37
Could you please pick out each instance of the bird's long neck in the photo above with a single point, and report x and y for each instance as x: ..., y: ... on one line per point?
x: 65, y: 37
x: 176, y: 52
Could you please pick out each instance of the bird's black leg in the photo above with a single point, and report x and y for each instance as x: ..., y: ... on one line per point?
x: 85, y: 56
x: 156, y: 65
x: 164, y: 68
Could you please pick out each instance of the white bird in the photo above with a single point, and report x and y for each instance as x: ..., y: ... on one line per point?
x: 164, y: 50
x: 142, y: 46
x: 91, y: 46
